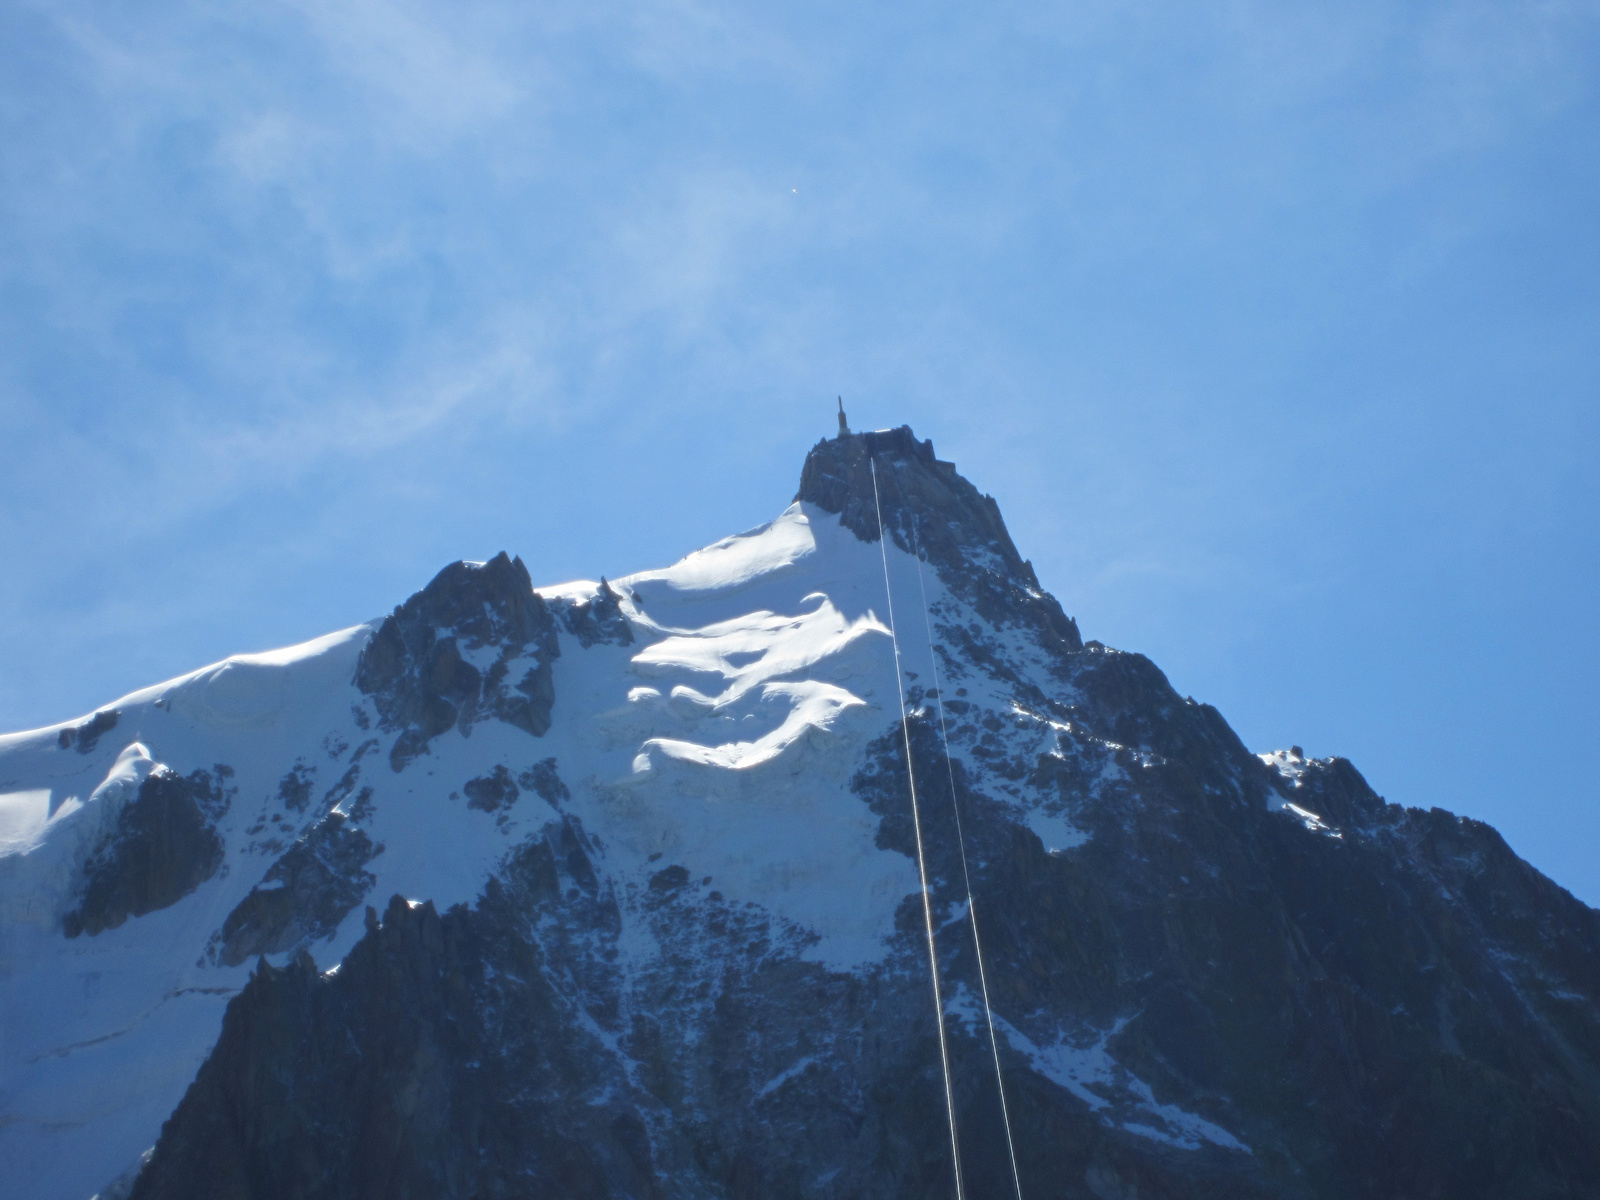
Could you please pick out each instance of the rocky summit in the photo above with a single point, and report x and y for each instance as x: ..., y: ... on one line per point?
x: 611, y: 889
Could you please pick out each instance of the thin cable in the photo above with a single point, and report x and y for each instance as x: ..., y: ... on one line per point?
x: 922, y: 866
x: 966, y: 875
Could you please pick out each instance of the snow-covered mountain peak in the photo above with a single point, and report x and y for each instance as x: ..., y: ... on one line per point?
x: 609, y: 888
x: 708, y: 716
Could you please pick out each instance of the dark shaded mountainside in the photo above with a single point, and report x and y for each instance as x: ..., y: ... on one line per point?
x: 1250, y: 977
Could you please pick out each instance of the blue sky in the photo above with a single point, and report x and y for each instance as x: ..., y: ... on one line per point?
x: 1275, y: 330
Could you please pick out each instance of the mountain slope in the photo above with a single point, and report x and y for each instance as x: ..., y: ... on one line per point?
x: 610, y: 889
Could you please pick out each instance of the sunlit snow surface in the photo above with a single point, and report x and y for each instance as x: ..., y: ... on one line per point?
x: 1291, y: 768
x: 723, y: 740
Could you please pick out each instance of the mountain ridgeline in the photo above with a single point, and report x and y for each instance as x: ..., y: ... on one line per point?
x: 609, y: 890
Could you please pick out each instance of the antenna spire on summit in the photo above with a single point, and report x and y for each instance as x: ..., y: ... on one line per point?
x: 844, y: 429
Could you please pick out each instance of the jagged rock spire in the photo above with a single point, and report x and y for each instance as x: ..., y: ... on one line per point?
x: 414, y: 670
x: 930, y: 510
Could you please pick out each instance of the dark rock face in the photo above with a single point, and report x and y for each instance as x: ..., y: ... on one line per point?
x: 1402, y: 1009
x: 1224, y: 978
x: 491, y: 792
x: 931, y: 511
x: 295, y: 789
x: 1305, y: 988
x: 435, y: 1063
x: 422, y: 685
x: 1445, y: 1019
x: 303, y: 896
x: 542, y: 779
x: 598, y: 619
x: 495, y: 793
x: 467, y: 1055
x: 86, y: 736
x: 337, y: 796
x: 164, y: 846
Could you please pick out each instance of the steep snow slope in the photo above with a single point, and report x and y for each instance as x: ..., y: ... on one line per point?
x: 654, y: 928
x: 722, y: 736
x: 103, y: 1033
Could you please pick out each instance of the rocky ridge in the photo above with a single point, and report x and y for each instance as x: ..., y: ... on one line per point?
x: 1214, y: 973
x: 446, y: 656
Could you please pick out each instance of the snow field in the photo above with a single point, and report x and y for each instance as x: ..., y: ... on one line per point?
x: 722, y: 740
